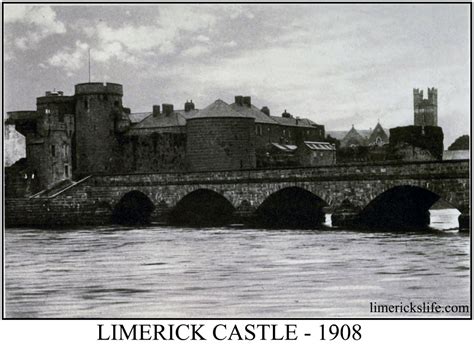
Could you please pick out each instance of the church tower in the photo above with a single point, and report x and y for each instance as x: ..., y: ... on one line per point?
x: 425, y: 110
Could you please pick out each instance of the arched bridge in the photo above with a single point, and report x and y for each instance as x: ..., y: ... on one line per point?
x: 365, y: 193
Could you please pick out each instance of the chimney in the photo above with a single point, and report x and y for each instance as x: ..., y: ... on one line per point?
x: 60, y: 93
x: 48, y: 93
x: 156, y: 110
x: 247, y: 101
x: 188, y: 106
x: 167, y: 109
x: 265, y: 111
x: 285, y: 114
x: 238, y: 100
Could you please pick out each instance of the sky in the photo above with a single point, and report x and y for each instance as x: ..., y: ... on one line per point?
x: 337, y: 65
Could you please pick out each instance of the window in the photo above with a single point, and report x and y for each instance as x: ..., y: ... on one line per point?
x: 47, y: 111
x: 86, y: 104
x: 53, y: 150
x: 258, y: 130
x: 66, y: 170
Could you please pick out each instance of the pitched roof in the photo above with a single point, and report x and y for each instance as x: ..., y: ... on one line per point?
x: 187, y: 114
x: 320, y: 146
x: 254, y: 112
x: 364, y: 133
x: 378, y: 132
x: 218, y: 109
x: 353, y: 136
x: 137, y: 117
x: 161, y: 121
x: 289, y: 148
x: 296, y: 122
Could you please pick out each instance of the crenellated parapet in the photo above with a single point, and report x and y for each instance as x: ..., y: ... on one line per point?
x: 98, y: 88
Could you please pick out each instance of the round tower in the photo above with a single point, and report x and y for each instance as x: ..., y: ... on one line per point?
x: 96, y: 145
x: 219, y: 138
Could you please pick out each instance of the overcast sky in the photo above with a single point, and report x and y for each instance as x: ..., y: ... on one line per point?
x: 335, y: 64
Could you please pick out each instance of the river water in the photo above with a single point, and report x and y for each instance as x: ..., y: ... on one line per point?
x: 164, y: 272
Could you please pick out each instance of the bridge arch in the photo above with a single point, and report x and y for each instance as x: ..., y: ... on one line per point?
x: 133, y: 208
x: 291, y: 207
x: 202, y: 207
x: 400, y: 207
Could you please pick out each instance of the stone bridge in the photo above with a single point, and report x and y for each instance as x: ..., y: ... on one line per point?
x: 366, y: 193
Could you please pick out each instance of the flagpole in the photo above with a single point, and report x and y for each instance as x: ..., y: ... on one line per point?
x: 89, y: 64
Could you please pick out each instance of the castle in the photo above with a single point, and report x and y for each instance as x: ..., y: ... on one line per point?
x: 70, y: 137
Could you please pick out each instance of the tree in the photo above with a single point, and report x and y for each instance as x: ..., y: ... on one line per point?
x: 461, y: 143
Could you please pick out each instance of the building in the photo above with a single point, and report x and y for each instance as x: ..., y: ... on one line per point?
x: 426, y: 110
x: 424, y: 139
x: 91, y: 132
x: 361, y: 145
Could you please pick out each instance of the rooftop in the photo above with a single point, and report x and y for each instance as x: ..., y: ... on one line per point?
x: 218, y: 109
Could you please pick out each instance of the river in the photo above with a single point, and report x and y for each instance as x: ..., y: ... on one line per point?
x: 165, y: 272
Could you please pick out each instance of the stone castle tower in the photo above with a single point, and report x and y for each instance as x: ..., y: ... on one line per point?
x: 426, y: 110
x: 95, y: 117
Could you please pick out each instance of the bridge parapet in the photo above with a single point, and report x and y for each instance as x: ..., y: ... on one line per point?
x: 425, y: 170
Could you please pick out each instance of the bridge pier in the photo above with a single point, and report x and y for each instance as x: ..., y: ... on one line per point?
x: 464, y: 222
x: 346, y: 215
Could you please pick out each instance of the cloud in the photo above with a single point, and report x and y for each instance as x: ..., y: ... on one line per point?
x: 203, y: 38
x: 231, y: 43
x: 71, y: 60
x: 195, y: 51
x: 39, y: 22
x: 162, y: 36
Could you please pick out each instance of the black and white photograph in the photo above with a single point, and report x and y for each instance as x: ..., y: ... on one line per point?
x: 236, y: 161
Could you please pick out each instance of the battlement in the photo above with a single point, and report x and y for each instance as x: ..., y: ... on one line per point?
x: 54, y: 99
x: 425, y: 109
x: 418, y: 96
x: 99, y: 87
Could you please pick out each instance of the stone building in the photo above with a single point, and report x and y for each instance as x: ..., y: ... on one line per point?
x: 70, y: 137
x: 425, y: 110
x: 424, y: 139
x: 219, y: 138
x: 48, y: 132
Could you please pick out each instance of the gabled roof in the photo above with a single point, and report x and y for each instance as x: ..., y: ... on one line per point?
x: 364, y: 133
x: 378, y: 132
x: 254, y: 112
x: 354, y: 136
x: 218, y: 109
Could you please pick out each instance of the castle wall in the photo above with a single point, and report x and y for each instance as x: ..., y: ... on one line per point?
x: 412, y: 142
x: 154, y: 152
